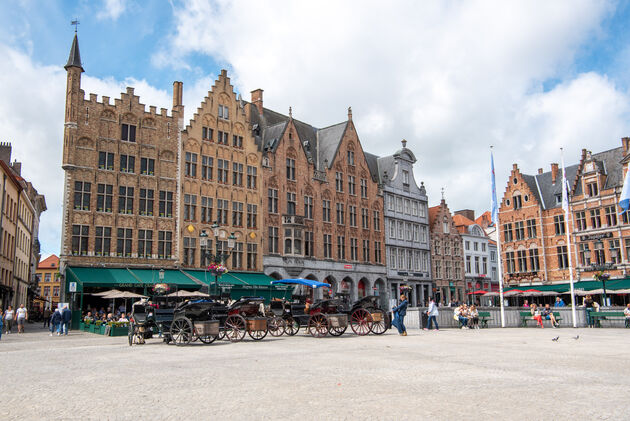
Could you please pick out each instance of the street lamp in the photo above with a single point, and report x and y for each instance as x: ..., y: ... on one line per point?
x: 161, y: 276
x: 219, y: 257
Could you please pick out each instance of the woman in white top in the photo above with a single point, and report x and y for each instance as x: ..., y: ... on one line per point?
x: 22, y: 317
x: 8, y: 317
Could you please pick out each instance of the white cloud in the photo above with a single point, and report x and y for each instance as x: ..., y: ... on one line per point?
x: 31, y: 116
x: 450, y: 77
x: 112, y: 9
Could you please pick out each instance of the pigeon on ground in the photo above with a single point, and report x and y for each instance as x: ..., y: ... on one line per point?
x: 556, y: 339
x: 577, y: 337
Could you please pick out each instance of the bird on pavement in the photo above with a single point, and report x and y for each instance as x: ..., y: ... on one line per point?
x: 576, y: 337
x: 556, y: 339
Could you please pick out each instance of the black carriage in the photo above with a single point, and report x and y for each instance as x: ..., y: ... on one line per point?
x: 366, y: 316
x: 244, y: 317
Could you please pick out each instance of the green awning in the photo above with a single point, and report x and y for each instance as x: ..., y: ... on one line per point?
x: 612, y: 284
x: 235, y: 279
x: 130, y: 278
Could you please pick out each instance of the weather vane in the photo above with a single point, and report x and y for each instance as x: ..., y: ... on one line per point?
x: 442, y: 193
x: 76, y: 23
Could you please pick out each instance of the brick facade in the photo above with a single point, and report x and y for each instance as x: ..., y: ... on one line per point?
x: 447, y: 259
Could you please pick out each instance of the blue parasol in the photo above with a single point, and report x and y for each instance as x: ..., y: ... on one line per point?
x: 300, y: 281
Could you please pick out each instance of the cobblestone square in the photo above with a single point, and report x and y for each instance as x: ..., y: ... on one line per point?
x: 490, y: 373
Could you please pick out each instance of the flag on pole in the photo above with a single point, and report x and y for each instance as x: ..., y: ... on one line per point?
x: 624, y: 199
x: 495, y: 208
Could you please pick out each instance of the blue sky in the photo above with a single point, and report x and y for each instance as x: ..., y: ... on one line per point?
x: 450, y: 77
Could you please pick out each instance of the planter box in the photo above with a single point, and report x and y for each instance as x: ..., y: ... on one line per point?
x: 81, y: 326
x: 94, y: 329
x: 102, y: 329
x: 86, y: 326
x: 119, y: 331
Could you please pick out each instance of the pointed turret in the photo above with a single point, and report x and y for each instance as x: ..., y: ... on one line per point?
x: 74, y: 60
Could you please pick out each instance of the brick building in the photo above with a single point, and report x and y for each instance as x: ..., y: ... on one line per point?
x: 601, y: 235
x: 447, y: 259
x: 532, y: 228
x: 221, y: 181
x: 324, y: 209
x: 120, y: 160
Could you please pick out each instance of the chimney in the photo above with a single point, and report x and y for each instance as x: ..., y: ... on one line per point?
x: 257, y: 99
x: 554, y: 172
x: 540, y: 170
x: 467, y: 213
x: 625, y: 141
x: 17, y: 167
x: 5, y: 152
x: 178, y: 95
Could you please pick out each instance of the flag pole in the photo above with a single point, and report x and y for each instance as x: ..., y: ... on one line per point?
x: 495, y: 219
x: 567, y: 214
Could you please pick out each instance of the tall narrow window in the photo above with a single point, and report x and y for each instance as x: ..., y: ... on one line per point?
x: 327, y: 241
x: 326, y: 210
x: 80, y: 235
x: 165, y: 244
x: 351, y: 158
x: 146, y: 202
x: 252, y: 176
x: 290, y: 169
x: 341, y: 247
x: 365, y: 219
x: 103, y: 240
x: 352, y: 212
x: 252, y: 256
x: 352, y: 185
x: 127, y: 163
x: 190, y: 207
x: 207, y: 162
x: 273, y: 240
x: 223, y: 168
x: 237, y: 214
x: 237, y: 256
x: 596, y: 221
x: 145, y: 243
x: 82, y: 195
x: 237, y: 141
x: 611, y: 216
x: 106, y: 160
x: 222, y: 211
x: 123, y: 242
x: 377, y: 220
x: 558, y: 223
x: 563, y: 258
x: 252, y: 216
x: 190, y: 164
x: 206, y: 133
x: 190, y: 244
x: 125, y: 199
x: 309, y: 249
x: 104, y: 197
x: 166, y: 204
x: 272, y: 200
x: 364, y: 189
x: 531, y: 228
x: 237, y: 174
x: 147, y: 166
x: 354, y: 249
x: 340, y: 214
x: 339, y: 182
x: 206, y: 209
x: 308, y: 207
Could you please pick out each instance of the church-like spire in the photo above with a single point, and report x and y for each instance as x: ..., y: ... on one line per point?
x: 74, y: 60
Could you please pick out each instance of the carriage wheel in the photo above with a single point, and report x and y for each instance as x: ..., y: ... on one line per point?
x: 235, y: 328
x: 292, y: 326
x: 318, y: 326
x: 276, y: 326
x: 378, y: 328
x: 182, y: 331
x: 361, y: 321
x: 337, y: 331
x: 257, y: 335
x: 221, y: 333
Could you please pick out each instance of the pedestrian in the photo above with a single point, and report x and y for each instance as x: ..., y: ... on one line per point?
x: 473, y: 314
x: 626, y: 313
x: 55, y: 320
x: 432, y: 312
x: 9, y: 315
x: 66, y: 317
x: 589, y: 305
x: 559, y: 302
x: 400, y: 311
x: 47, y: 317
x: 1, y: 325
x: 22, y: 317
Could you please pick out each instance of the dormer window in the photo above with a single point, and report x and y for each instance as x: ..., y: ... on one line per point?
x: 517, y: 201
x: 405, y: 174
x: 591, y: 189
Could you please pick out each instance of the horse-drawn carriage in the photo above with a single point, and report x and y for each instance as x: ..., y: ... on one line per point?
x: 329, y: 316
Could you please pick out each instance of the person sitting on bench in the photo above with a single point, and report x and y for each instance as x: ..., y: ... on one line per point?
x: 536, y: 315
x: 547, y: 314
x: 474, y: 317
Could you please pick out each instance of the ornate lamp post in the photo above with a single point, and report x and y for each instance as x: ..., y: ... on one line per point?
x: 219, y: 257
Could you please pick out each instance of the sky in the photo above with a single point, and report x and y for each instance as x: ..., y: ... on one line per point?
x: 450, y: 77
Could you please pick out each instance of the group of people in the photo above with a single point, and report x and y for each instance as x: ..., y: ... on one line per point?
x: 468, y: 316
x: 11, y: 317
x: 104, y: 317
x: 544, y: 313
x: 60, y: 321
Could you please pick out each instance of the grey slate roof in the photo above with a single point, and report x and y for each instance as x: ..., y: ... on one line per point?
x: 546, y: 191
x: 372, y: 163
x: 74, y: 59
x: 328, y: 140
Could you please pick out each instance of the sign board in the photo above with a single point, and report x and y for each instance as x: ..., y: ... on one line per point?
x: 347, y: 266
x: 72, y: 287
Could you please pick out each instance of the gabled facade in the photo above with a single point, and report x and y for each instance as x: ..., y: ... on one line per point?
x: 221, y: 181
x: 47, y: 275
x: 324, y: 210
x: 406, y: 226
x: 121, y: 187
x: 532, y: 228
x: 601, y: 234
x: 447, y: 258
x: 477, y: 253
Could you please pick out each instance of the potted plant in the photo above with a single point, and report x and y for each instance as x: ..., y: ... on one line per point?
x: 217, y: 269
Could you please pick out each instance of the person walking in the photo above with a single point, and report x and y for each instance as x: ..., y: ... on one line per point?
x: 66, y: 317
x: 400, y: 311
x: 1, y: 325
x: 47, y: 317
x: 55, y: 322
x: 432, y: 312
x: 22, y: 317
x: 8, y: 316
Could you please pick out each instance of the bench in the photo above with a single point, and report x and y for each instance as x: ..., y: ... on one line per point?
x: 598, y: 316
x: 484, y: 317
x: 526, y: 316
